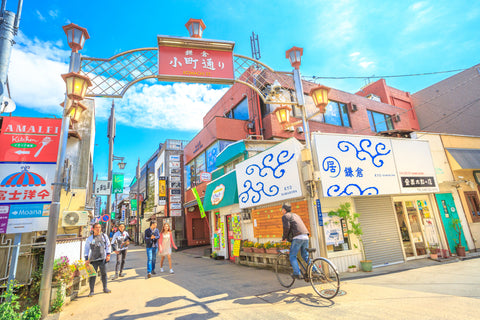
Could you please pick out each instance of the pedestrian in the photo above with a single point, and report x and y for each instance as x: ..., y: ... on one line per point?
x: 151, y: 240
x: 121, y: 240
x: 97, y: 254
x: 295, y: 231
x: 165, y: 244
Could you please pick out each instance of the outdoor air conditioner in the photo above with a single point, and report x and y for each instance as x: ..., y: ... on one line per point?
x: 396, y: 118
x: 353, y: 107
x: 300, y: 130
x: 75, y: 218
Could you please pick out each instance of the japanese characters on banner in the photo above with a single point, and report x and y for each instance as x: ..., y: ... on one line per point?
x: 198, y: 59
x: 28, y: 155
x: 270, y: 176
x: 102, y: 188
x: 359, y: 165
x: 117, y: 183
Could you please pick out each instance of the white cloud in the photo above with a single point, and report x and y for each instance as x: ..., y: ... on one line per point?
x: 40, y: 16
x: 53, y: 13
x: 35, y: 82
x: 365, y: 64
x: 354, y: 54
x: 360, y: 60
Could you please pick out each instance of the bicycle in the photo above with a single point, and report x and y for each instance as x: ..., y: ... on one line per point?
x: 320, y: 272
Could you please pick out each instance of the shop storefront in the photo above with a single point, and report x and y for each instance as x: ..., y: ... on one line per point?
x: 221, y: 203
x: 393, y: 195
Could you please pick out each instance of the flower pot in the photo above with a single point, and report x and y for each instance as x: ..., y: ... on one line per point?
x: 259, y: 250
x: 434, y: 256
x: 271, y: 250
x: 352, y: 269
x: 366, y: 265
x: 460, y: 251
x: 247, y: 249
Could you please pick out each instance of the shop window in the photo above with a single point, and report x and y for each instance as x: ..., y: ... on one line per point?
x: 336, y: 114
x: 379, y: 121
x: 336, y: 234
x: 473, y: 205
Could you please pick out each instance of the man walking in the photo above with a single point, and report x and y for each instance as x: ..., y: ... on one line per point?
x: 121, y: 240
x: 295, y: 231
x: 151, y: 240
x: 97, y: 253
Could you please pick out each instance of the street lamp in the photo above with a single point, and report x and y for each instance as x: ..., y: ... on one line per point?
x: 76, y: 86
x: 74, y: 109
x: 294, y: 55
x: 195, y: 27
x: 121, y: 164
x: 320, y: 97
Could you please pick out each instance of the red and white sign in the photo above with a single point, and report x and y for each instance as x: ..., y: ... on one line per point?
x: 26, y: 182
x: 29, y: 139
x: 202, y: 63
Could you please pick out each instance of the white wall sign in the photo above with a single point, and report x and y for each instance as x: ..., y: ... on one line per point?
x: 270, y: 176
x: 175, y: 213
x: 362, y: 165
x: 102, y: 188
x: 175, y: 205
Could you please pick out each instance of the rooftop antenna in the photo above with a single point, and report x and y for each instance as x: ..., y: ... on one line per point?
x: 255, y: 46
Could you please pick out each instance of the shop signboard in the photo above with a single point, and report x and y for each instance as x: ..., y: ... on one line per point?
x: 191, y: 60
x: 4, y: 210
x: 26, y: 182
x: 102, y: 188
x: 29, y: 139
x: 174, y: 157
x: 162, y: 188
x: 360, y: 166
x: 26, y: 217
x: 175, y: 205
x: 117, y: 185
x: 270, y: 176
x: 175, y: 213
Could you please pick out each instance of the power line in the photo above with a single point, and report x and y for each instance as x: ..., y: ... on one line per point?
x: 391, y: 76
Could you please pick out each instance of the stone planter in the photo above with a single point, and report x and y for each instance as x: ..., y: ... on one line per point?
x: 57, y: 286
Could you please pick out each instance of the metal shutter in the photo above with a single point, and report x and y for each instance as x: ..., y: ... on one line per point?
x: 380, y: 231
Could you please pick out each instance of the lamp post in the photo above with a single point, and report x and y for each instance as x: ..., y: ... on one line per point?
x: 294, y: 55
x: 76, y: 87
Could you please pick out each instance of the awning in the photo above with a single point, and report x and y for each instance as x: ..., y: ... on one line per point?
x: 221, y: 192
x: 466, y: 158
x: 230, y: 152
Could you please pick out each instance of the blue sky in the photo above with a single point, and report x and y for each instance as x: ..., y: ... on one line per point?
x: 340, y: 39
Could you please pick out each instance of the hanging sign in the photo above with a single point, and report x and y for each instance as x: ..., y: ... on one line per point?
x: 117, y: 185
x: 193, y: 60
x: 29, y: 139
x: 102, y: 188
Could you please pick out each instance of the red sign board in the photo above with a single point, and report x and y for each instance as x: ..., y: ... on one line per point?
x: 193, y: 60
x: 29, y: 139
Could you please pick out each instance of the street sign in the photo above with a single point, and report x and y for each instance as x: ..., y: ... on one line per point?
x: 29, y: 139
x: 102, y: 188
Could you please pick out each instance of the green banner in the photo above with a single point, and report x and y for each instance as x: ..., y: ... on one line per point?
x: 112, y: 215
x: 133, y: 204
x: 117, y: 185
x: 199, y: 202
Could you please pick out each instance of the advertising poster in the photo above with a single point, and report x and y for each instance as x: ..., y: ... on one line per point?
x: 29, y: 139
x: 117, y: 185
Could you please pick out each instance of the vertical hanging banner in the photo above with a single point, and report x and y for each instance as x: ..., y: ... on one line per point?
x: 117, y: 185
x: 193, y: 60
x: 29, y: 139
x: 162, y: 188
x: 133, y: 206
x: 199, y: 202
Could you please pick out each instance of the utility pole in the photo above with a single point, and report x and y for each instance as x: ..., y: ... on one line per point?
x: 137, y: 174
x: 111, y: 141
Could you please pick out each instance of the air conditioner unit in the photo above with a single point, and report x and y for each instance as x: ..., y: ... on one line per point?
x: 75, y: 218
x: 300, y: 130
x: 396, y: 118
x: 353, y: 107
x: 290, y: 128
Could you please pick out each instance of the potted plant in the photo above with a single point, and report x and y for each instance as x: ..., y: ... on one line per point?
x: 258, y: 247
x: 270, y: 247
x: 214, y: 255
x: 457, y: 226
x: 343, y: 212
x: 247, y: 246
x: 352, y: 268
x: 433, y: 251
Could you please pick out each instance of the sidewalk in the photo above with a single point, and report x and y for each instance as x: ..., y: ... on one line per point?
x: 399, y: 267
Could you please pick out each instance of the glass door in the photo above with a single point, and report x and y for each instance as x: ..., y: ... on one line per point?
x: 416, y: 226
x: 405, y: 231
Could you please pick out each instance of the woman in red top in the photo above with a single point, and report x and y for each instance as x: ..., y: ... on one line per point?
x: 165, y: 244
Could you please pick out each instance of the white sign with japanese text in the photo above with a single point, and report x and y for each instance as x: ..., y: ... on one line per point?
x: 270, y: 176
x: 102, y: 188
x: 363, y: 165
x: 26, y: 182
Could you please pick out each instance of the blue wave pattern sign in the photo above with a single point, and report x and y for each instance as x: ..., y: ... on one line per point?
x: 356, y: 166
x: 270, y: 176
x: 362, y: 166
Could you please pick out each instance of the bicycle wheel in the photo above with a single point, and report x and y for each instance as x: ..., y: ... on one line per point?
x: 282, y: 270
x: 324, y: 278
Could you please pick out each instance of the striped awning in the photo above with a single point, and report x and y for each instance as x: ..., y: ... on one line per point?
x: 23, y: 178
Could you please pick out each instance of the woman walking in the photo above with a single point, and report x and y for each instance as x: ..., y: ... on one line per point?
x: 165, y: 245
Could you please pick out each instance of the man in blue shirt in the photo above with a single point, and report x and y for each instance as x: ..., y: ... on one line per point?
x: 151, y: 240
x: 97, y: 253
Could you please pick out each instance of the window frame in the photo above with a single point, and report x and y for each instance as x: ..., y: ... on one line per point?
x: 388, y: 119
x: 473, y: 203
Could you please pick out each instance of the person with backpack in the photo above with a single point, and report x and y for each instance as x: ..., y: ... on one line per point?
x: 97, y: 254
x: 295, y: 231
x: 121, y: 240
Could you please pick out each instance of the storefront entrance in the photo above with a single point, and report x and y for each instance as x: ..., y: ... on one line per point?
x: 417, y: 227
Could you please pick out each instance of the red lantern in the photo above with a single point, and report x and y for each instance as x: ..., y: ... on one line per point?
x: 295, y: 56
x: 195, y: 27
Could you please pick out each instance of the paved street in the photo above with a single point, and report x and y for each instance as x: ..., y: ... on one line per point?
x: 203, y: 288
